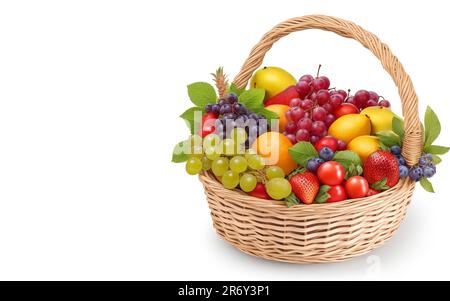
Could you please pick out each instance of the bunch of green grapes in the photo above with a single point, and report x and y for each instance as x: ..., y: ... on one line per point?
x: 227, y: 159
x: 201, y: 153
x: 234, y: 161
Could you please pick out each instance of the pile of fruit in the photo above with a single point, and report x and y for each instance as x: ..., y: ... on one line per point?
x: 300, y: 141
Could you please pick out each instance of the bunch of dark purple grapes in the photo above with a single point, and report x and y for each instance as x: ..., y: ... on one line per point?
x: 233, y: 114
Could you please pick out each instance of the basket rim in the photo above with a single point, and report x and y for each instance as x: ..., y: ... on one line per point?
x: 207, y: 178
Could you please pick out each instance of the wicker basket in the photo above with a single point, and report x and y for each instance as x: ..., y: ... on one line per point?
x: 318, y: 232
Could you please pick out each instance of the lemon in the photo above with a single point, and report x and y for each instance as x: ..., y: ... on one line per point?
x: 364, y: 146
x: 350, y: 126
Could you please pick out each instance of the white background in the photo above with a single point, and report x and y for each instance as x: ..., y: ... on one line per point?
x: 90, y: 93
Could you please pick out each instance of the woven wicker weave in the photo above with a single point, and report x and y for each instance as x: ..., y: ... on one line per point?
x: 318, y: 232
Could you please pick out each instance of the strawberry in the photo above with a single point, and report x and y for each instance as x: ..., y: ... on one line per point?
x: 284, y: 97
x: 305, y: 186
x: 380, y: 165
x: 260, y: 192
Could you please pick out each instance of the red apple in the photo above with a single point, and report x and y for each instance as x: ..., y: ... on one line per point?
x: 284, y: 97
x: 328, y: 141
x: 344, y: 109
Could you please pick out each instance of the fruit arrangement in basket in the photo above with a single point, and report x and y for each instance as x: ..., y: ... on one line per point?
x: 300, y: 141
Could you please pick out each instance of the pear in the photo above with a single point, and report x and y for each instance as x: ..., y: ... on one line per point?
x: 272, y: 79
x: 380, y: 118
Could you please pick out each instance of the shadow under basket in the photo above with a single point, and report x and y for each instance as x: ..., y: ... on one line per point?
x: 318, y: 232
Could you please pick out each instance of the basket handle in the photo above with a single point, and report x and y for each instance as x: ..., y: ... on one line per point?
x: 412, y: 142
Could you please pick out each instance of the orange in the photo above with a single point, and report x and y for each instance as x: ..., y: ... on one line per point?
x: 280, y: 110
x: 274, y: 148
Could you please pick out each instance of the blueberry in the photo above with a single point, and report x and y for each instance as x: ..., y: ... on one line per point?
x: 396, y: 150
x: 403, y: 171
x: 415, y: 173
x: 429, y: 171
x: 326, y: 153
x: 400, y: 160
x: 432, y: 166
x: 425, y: 159
x: 422, y: 161
x: 313, y: 164
x: 429, y: 157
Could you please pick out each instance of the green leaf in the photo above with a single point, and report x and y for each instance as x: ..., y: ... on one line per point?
x: 436, y: 149
x: 253, y: 98
x: 322, y: 194
x: 346, y: 158
x: 432, y: 127
x: 266, y: 113
x: 234, y: 89
x: 380, y: 185
x: 178, y: 154
x: 426, y: 185
x: 359, y: 170
x: 436, y: 159
x: 353, y: 170
x: 384, y: 147
x: 190, y: 116
x: 350, y: 161
x: 398, y: 127
x: 291, y: 200
x: 388, y: 138
x: 202, y: 94
x: 350, y: 171
x: 302, y: 152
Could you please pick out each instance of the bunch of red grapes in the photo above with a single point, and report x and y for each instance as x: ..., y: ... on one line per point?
x: 318, y: 107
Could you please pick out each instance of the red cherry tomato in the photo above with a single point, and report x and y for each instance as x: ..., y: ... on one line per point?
x: 337, y: 193
x: 328, y: 141
x: 344, y: 109
x: 357, y: 187
x: 260, y: 192
x: 331, y: 173
x: 372, y: 192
